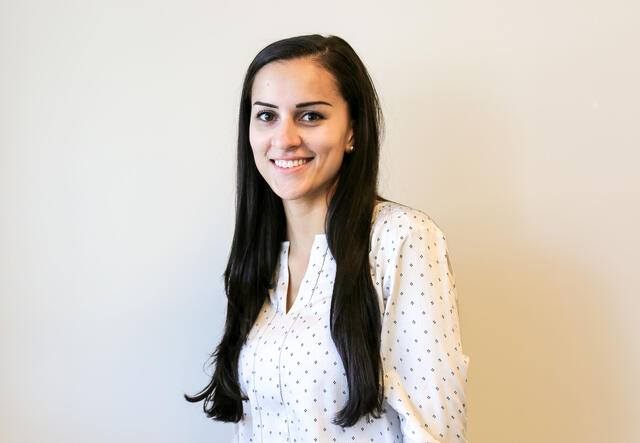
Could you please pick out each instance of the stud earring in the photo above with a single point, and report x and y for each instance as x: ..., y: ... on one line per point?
x: 350, y: 149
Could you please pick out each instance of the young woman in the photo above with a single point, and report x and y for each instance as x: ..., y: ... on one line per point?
x: 342, y: 320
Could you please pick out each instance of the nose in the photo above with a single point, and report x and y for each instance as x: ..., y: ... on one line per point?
x: 286, y: 135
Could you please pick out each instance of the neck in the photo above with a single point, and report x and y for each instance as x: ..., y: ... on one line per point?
x: 305, y: 220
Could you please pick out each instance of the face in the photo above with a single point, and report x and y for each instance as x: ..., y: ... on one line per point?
x: 299, y: 129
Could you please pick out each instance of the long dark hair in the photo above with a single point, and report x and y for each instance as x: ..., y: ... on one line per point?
x: 260, y: 227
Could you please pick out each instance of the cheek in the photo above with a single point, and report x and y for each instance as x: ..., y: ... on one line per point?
x: 328, y: 142
x: 257, y: 141
x: 252, y: 138
x: 337, y: 161
x: 331, y: 154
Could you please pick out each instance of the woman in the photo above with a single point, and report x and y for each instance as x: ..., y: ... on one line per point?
x: 342, y: 322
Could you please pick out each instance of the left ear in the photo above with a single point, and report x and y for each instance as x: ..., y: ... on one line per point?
x: 350, y: 138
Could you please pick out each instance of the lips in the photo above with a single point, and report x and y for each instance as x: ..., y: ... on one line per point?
x: 290, y: 165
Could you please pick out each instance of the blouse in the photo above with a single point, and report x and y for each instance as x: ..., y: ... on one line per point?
x: 293, y: 376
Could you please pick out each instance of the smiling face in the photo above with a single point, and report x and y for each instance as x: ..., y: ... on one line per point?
x: 299, y: 129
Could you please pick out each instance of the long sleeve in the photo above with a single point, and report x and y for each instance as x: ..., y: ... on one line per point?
x: 425, y: 368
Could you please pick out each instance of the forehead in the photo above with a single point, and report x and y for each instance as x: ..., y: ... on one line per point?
x: 294, y: 80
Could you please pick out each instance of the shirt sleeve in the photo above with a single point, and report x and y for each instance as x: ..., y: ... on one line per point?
x: 425, y: 368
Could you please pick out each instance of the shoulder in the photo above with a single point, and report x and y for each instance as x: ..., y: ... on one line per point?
x: 404, y: 240
x: 399, y: 231
x: 394, y: 222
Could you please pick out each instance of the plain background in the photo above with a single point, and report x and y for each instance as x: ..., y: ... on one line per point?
x: 514, y: 125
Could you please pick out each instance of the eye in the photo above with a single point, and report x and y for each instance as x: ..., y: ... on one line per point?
x: 265, y: 116
x: 312, y: 116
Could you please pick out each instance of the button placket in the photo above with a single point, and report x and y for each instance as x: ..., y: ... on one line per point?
x: 312, y: 263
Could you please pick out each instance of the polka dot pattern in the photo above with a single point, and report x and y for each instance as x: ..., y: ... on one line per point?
x: 292, y: 373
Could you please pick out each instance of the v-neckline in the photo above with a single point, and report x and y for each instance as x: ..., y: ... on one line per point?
x: 285, y: 267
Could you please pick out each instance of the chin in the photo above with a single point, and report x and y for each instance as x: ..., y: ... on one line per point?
x: 289, y: 195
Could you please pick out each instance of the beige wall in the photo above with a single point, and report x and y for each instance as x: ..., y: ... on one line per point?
x: 513, y: 124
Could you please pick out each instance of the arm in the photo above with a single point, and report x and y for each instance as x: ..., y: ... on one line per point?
x: 424, y: 365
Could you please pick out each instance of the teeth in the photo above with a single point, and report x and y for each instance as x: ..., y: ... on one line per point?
x: 290, y: 163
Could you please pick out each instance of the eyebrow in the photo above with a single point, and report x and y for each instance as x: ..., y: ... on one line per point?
x: 299, y: 105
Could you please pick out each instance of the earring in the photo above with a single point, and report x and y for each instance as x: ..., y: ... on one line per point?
x: 350, y: 149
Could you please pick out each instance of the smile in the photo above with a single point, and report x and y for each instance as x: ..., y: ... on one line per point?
x: 287, y: 164
x: 287, y: 167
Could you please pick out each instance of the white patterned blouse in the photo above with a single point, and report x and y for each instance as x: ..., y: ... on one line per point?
x: 293, y: 375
